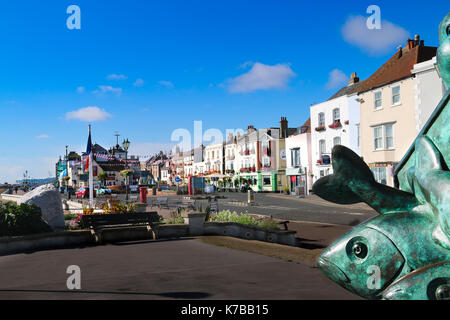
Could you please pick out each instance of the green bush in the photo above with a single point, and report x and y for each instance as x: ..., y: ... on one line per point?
x: 228, y: 216
x: 243, y: 218
x: 24, y: 219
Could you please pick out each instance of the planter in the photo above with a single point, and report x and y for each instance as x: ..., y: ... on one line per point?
x: 335, y: 125
x: 321, y: 128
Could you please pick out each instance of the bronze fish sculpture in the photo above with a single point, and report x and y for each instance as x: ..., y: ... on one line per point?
x: 405, y: 252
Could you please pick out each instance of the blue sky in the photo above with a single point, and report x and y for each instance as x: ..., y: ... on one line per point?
x: 147, y: 68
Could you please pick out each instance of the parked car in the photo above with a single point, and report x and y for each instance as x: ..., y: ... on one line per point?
x: 133, y: 188
x: 83, y: 193
x: 103, y: 190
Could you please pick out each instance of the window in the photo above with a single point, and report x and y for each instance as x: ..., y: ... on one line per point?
x: 266, y: 162
x: 380, y: 174
x: 295, y: 157
x: 378, y: 135
x: 321, y: 119
x: 383, y: 137
x: 266, y: 181
x: 336, y: 141
x: 336, y: 115
x: 396, y: 98
x: 322, y: 147
x: 377, y: 99
x: 389, y: 136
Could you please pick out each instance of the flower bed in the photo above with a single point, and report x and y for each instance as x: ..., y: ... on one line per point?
x: 243, y: 218
x: 23, y: 219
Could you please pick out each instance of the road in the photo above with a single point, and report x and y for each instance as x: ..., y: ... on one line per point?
x: 311, y: 208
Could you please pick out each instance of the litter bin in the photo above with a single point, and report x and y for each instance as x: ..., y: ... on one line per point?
x: 143, y: 191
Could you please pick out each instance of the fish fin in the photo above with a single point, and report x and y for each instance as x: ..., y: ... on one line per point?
x: 353, y: 182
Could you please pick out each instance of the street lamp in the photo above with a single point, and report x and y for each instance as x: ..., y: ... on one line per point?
x: 126, y: 145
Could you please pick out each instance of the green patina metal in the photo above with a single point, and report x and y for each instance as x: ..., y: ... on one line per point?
x: 405, y: 252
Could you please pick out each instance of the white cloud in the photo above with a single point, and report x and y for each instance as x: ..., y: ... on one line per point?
x: 117, y: 77
x: 336, y: 79
x: 262, y: 77
x: 108, y: 89
x: 375, y: 41
x: 166, y: 84
x: 88, y: 114
x: 138, y: 83
x: 81, y: 89
x: 43, y: 136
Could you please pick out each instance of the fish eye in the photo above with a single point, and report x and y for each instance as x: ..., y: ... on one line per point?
x: 357, y: 249
x: 360, y: 250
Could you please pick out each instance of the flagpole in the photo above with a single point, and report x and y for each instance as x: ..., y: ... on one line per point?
x: 91, y: 177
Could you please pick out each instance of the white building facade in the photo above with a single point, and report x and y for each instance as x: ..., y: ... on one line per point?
x: 428, y: 91
x: 335, y: 122
x: 298, y: 161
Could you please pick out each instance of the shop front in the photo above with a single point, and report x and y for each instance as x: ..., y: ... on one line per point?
x: 297, y: 181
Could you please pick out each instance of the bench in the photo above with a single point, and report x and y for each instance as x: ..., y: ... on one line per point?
x: 285, y: 224
x: 160, y: 202
x: 100, y: 221
x: 187, y: 204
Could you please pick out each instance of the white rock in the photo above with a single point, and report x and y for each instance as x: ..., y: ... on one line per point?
x: 48, y: 199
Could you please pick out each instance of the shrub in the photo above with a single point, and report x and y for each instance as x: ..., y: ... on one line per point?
x: 269, y: 224
x: 228, y: 216
x: 243, y: 218
x: 24, y: 219
x: 175, y: 218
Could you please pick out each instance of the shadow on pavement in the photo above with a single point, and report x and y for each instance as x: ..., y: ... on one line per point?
x: 174, y: 295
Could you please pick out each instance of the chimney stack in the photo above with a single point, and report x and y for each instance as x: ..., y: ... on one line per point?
x: 283, y: 128
x: 353, y: 79
x: 410, y: 44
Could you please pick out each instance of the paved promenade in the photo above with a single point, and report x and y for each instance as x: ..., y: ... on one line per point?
x: 176, y: 269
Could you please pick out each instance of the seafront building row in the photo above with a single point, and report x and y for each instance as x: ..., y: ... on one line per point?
x: 378, y: 118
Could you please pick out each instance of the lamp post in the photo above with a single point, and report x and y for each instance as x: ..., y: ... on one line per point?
x: 126, y: 145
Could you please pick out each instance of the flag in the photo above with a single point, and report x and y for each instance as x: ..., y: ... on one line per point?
x: 63, y: 174
x: 88, y: 151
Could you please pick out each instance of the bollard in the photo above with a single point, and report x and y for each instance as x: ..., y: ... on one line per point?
x: 251, y: 197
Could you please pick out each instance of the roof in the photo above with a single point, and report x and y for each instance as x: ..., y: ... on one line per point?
x: 348, y: 90
x: 398, y: 67
x: 96, y: 148
x: 113, y: 165
x: 306, y: 127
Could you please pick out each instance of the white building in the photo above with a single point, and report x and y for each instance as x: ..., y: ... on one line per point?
x: 213, y: 158
x: 298, y: 160
x: 428, y: 91
x: 335, y: 122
